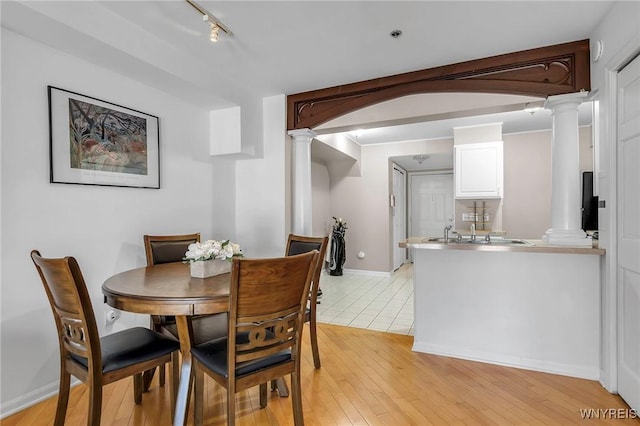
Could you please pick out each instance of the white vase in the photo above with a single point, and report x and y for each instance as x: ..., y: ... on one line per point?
x: 209, y: 268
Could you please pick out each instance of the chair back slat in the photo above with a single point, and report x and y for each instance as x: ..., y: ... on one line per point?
x: 249, y: 320
x: 75, y: 334
x: 71, y: 305
x: 268, y: 333
x: 267, y: 301
x: 263, y: 352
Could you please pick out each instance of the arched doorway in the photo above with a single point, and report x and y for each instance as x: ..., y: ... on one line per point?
x: 542, y: 72
x: 535, y: 73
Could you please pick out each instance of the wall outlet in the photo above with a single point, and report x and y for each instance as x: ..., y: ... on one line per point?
x: 111, y: 316
x: 469, y: 217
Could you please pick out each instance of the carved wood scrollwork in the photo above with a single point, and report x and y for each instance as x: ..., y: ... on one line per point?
x: 543, y: 72
x: 75, y: 335
x: 267, y: 333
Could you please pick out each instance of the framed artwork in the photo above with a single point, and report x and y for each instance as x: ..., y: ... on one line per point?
x: 94, y: 142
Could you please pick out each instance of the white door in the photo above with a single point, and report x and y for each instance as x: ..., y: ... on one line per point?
x: 628, y: 285
x: 431, y: 204
x: 399, y: 216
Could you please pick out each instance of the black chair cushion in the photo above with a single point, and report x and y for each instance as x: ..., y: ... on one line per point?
x: 205, y: 328
x: 169, y: 251
x: 128, y: 347
x: 213, y: 355
x: 300, y: 247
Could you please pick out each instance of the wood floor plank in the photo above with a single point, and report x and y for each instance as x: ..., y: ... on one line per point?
x: 367, y: 378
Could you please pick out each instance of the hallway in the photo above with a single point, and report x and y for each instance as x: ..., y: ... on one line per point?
x: 371, y: 302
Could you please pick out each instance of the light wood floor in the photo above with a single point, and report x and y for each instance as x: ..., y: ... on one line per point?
x: 370, y: 378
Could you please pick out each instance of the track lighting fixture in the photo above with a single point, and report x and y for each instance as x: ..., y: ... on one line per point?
x: 215, y: 24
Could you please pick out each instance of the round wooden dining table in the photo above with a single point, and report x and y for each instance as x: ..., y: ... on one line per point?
x: 169, y: 289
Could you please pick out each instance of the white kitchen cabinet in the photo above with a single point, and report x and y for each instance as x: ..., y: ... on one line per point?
x: 479, y: 170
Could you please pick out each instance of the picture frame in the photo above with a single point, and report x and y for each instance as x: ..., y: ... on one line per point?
x: 95, y: 142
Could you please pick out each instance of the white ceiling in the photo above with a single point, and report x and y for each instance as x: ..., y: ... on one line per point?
x: 291, y: 46
x: 286, y: 47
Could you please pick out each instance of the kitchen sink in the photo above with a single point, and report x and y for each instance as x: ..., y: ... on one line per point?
x: 496, y: 241
x: 439, y: 240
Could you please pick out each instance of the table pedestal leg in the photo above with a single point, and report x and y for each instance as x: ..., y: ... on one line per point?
x: 147, y: 378
x: 185, y: 334
x: 281, y: 386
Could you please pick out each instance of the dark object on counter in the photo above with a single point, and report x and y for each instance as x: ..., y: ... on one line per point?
x: 337, y: 253
x: 589, y: 203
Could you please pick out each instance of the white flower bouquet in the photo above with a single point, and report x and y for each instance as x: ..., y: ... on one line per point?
x: 212, y: 249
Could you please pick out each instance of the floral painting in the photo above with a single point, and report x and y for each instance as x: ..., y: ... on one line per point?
x: 105, y: 139
x: 95, y: 142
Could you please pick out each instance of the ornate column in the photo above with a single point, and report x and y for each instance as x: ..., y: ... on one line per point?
x: 301, y: 171
x: 565, y: 172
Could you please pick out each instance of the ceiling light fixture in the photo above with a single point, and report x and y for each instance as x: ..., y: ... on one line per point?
x: 357, y: 133
x: 420, y: 158
x: 532, y: 108
x: 214, y: 22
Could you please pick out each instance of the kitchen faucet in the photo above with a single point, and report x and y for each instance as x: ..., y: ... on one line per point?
x: 446, y: 233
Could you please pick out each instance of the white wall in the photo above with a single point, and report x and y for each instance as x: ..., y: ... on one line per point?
x: 620, y: 33
x: 363, y: 202
x: 101, y: 226
x: 321, y: 199
x: 261, y: 204
x: 526, y: 207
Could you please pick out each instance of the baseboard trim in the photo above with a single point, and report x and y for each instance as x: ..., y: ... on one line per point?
x: 370, y: 273
x: 582, y: 372
x: 32, y: 398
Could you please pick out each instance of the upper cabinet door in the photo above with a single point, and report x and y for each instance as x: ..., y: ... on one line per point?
x: 479, y: 170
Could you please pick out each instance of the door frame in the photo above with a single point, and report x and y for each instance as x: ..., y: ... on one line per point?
x: 620, y: 322
x: 392, y: 205
x: 609, y: 272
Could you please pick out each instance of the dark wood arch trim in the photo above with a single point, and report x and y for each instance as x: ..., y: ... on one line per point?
x: 545, y: 71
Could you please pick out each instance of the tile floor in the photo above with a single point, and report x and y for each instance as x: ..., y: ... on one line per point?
x: 365, y: 301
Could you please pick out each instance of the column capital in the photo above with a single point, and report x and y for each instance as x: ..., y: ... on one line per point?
x: 302, y: 134
x: 568, y: 99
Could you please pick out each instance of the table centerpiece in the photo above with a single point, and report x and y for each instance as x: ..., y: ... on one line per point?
x: 211, y: 257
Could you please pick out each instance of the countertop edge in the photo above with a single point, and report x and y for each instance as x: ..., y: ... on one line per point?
x: 538, y: 247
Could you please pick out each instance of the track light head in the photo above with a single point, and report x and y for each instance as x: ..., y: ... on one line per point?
x: 214, y: 33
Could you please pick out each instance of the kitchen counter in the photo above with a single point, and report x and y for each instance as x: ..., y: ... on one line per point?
x: 528, y: 306
x: 535, y: 246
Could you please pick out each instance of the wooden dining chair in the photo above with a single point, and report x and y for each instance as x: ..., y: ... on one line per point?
x: 161, y: 249
x: 93, y: 360
x: 297, y: 244
x: 267, y: 302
